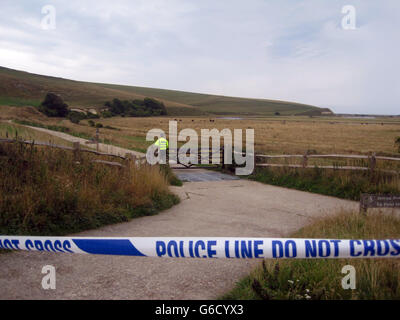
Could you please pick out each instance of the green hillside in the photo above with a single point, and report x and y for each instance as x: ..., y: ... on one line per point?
x: 18, y: 88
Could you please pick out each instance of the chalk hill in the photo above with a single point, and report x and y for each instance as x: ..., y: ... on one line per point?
x: 19, y: 88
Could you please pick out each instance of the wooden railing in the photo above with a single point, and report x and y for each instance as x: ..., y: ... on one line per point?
x: 261, y: 161
x: 76, y: 149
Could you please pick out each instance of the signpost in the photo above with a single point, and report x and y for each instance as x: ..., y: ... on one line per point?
x: 378, y: 201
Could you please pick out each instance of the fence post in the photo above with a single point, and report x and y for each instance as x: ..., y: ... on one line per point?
x: 372, y: 162
x: 363, y: 203
x: 128, y: 159
x: 305, y: 160
x: 223, y: 157
x: 77, y: 153
x: 97, y: 139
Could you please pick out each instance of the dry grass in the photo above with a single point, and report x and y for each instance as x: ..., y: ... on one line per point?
x: 46, y: 191
x: 321, y: 279
x: 274, y: 135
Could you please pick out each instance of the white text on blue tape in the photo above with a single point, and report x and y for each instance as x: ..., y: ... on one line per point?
x: 208, y: 247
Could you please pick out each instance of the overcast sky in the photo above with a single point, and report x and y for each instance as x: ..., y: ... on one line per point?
x: 291, y: 50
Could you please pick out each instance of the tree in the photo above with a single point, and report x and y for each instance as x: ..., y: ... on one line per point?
x: 135, y: 108
x: 54, y: 106
x: 156, y: 107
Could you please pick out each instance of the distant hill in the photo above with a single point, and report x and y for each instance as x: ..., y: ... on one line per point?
x: 18, y: 88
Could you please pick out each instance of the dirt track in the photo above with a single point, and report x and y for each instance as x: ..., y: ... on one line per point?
x: 219, y: 208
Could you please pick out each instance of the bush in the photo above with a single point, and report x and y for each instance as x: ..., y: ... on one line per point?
x: 90, y: 115
x: 135, y: 108
x: 76, y: 117
x: 53, y: 106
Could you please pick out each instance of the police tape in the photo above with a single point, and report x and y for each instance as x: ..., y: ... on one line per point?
x: 208, y: 247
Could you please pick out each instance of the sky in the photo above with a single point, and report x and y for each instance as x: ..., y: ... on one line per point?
x: 291, y: 50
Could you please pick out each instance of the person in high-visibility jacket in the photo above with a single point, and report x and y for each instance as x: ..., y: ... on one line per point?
x: 162, y: 145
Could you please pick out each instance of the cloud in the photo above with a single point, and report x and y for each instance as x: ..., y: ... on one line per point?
x: 286, y: 50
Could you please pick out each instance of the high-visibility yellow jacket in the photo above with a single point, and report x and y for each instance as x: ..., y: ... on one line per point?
x: 162, y: 143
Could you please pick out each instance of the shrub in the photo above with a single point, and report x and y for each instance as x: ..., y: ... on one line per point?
x: 135, y: 108
x: 53, y: 106
x: 90, y: 115
x: 76, y: 117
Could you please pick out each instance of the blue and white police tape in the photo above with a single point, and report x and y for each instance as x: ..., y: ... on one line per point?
x: 209, y: 247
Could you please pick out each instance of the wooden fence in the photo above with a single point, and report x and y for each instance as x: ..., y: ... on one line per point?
x: 76, y: 149
x: 261, y: 161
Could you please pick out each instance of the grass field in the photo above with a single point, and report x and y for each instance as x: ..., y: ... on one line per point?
x: 273, y: 135
x: 306, y: 279
x: 279, y: 137
x: 19, y: 88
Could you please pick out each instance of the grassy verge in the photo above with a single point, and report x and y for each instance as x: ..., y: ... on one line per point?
x: 45, y: 191
x: 338, y: 183
x: 321, y: 279
x: 172, y: 179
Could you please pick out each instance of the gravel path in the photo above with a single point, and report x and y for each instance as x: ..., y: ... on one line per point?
x: 219, y: 208
x: 102, y: 146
